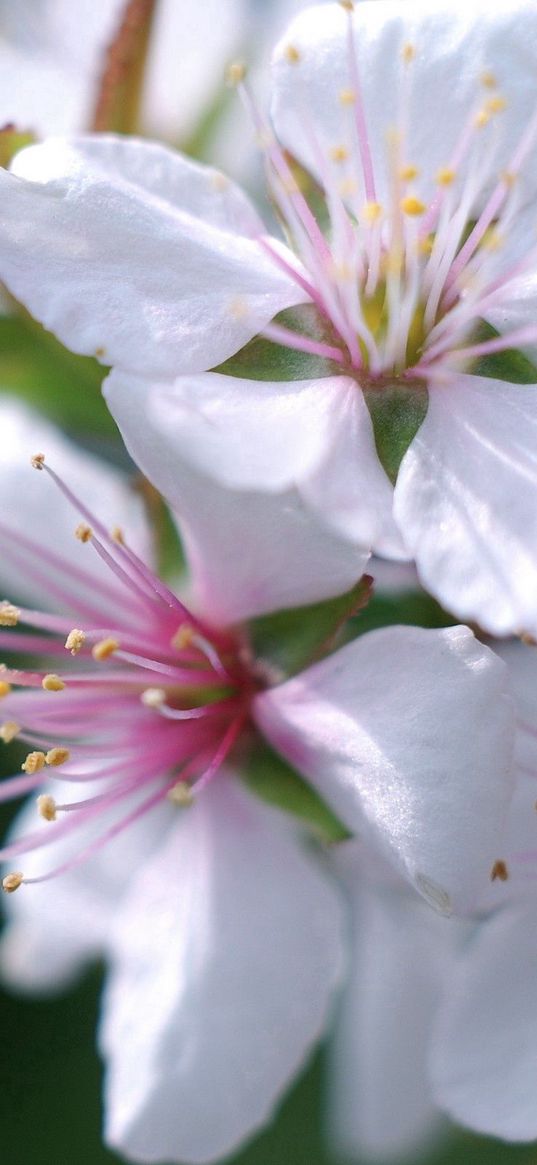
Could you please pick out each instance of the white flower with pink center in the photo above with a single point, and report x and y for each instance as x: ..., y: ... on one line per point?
x: 418, y: 125
x: 219, y: 926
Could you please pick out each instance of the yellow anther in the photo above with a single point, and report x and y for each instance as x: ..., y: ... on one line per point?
x: 292, y: 54
x: 35, y: 761
x: 347, y: 96
x: 372, y: 211
x: 339, y: 153
x: 348, y: 187
x: 46, y: 807
x: 9, y: 730
x: 408, y: 173
x: 488, y: 80
x: 180, y: 794
x: 75, y: 641
x: 445, y: 176
x: 11, y: 882
x: 183, y: 637
x: 83, y: 532
x: 9, y: 615
x: 116, y: 532
x: 492, y: 239
x: 412, y: 206
x: 57, y: 756
x: 425, y: 246
x: 52, y: 683
x: 482, y: 118
x: 104, y: 648
x: 500, y: 871
x: 348, y: 5
x: 408, y: 53
x: 5, y: 689
x: 508, y: 178
x: 38, y: 460
x: 153, y: 697
x: 496, y: 104
x: 236, y: 73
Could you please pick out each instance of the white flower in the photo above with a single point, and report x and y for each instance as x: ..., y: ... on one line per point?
x: 437, y: 1016
x: 163, y: 269
x: 219, y: 927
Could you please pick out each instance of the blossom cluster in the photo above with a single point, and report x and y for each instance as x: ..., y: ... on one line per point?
x: 340, y: 401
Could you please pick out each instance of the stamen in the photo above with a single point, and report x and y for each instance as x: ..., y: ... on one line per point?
x: 9, y: 614
x: 153, y: 697
x: 35, y: 761
x: 104, y: 649
x: 500, y: 871
x: 83, y: 532
x: 75, y: 641
x: 412, y: 206
x: 292, y: 54
x: 181, y: 794
x: 57, y: 756
x: 38, y: 460
x: 5, y: 689
x: 46, y: 806
x: 236, y: 74
x: 11, y: 882
x: 9, y: 730
x: 52, y: 683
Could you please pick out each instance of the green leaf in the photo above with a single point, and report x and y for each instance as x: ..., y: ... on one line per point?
x: 397, y: 411
x: 263, y: 360
x: 274, y: 781
x: 291, y: 640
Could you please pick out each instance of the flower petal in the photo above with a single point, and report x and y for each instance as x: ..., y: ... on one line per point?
x: 466, y: 501
x: 31, y: 504
x: 381, y: 1104
x: 485, y: 1050
x: 395, y: 731
x: 249, y: 552
x: 453, y: 46
x: 132, y: 253
x: 214, y: 1003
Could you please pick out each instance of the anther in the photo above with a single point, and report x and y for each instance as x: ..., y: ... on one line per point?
x: 408, y: 173
x: 499, y: 870
x: 445, y: 176
x: 372, y: 211
x: 5, y: 689
x: 347, y: 96
x: 116, y: 532
x: 180, y: 794
x: 412, y: 206
x: 292, y: 54
x: 235, y: 74
x: 488, y: 80
x: 348, y: 5
x: 83, y: 532
x: 38, y: 460
x: 408, y: 53
x: 35, y: 761
x: 75, y: 641
x: 11, y: 882
x: 496, y: 104
x: 46, y: 807
x: 52, y: 683
x: 153, y: 697
x: 104, y: 649
x: 9, y: 730
x: 339, y: 153
x: 57, y: 756
x: 183, y: 637
x: 482, y: 118
x: 9, y: 614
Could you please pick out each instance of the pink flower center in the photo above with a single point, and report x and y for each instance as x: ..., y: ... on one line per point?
x: 151, y: 709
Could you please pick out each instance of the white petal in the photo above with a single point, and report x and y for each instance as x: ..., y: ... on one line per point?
x: 55, y: 927
x: 130, y: 252
x: 227, y: 956
x: 454, y: 45
x: 466, y: 501
x: 485, y: 1053
x: 395, y: 731
x: 249, y: 552
x: 30, y: 503
x: 381, y: 1104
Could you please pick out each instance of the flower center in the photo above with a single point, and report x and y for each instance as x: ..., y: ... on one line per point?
x: 152, y: 708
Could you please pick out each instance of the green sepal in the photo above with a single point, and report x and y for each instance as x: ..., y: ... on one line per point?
x: 263, y: 360
x: 511, y: 365
x: 396, y: 411
x: 291, y: 640
x: 268, y: 776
